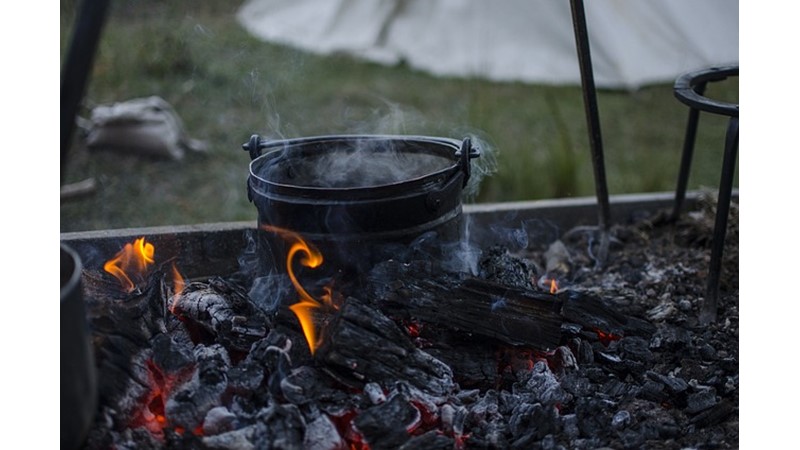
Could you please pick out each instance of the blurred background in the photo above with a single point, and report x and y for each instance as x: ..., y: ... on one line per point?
x: 227, y: 80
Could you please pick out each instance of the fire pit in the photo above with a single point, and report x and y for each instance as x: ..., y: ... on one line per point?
x: 414, y: 356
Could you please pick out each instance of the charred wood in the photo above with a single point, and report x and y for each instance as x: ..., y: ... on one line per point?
x: 364, y: 345
x: 471, y: 306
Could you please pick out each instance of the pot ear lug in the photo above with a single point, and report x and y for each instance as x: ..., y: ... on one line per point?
x: 464, y: 155
x: 253, y: 146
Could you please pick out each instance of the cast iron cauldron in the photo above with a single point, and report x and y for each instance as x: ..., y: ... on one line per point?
x: 356, y: 197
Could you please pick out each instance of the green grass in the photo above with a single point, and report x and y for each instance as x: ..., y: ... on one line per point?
x: 227, y: 85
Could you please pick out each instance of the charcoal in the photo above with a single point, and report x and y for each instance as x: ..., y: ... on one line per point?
x: 431, y: 440
x: 218, y: 420
x: 387, y: 425
x: 577, y: 385
x: 674, y: 385
x: 489, y: 435
x: 321, y: 434
x: 571, y: 329
x: 700, y: 401
x: 136, y: 439
x: 563, y: 361
x: 507, y: 401
x: 241, y: 439
x: 707, y: 352
x: 714, y: 415
x: 621, y: 420
x: 485, y: 409
x: 246, y: 377
x: 631, y: 439
x: 653, y: 391
x: 549, y: 443
x: 499, y: 266
x: 468, y: 396
x: 300, y: 385
x: 188, y: 405
x: 543, y: 385
x: 375, y: 393
x: 585, y: 353
x: 635, y: 348
x: 532, y: 422
x: 569, y: 423
x: 594, y: 416
x: 453, y: 419
x: 223, y: 310
x: 618, y: 389
x: 279, y: 427
x: 170, y: 356
x: 670, y: 338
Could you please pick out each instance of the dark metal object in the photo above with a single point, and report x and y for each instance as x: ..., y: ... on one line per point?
x: 348, y: 218
x: 77, y: 67
x: 78, y: 373
x: 689, y: 89
x: 593, y: 124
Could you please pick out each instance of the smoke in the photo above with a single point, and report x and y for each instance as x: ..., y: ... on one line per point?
x: 355, y: 163
x: 258, y: 269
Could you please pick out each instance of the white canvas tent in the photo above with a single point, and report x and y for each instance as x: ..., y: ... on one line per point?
x: 633, y: 42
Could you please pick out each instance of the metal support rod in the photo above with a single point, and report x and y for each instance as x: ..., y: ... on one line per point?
x: 708, y: 313
x: 687, y: 155
x: 593, y: 124
x: 78, y: 66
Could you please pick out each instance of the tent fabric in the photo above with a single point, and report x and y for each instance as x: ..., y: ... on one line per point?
x: 633, y: 42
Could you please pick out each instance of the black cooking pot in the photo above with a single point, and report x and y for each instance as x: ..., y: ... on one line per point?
x: 354, y: 195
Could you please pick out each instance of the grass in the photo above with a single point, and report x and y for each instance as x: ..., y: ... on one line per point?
x: 227, y: 85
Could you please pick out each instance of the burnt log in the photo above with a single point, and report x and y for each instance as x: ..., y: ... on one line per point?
x: 360, y: 345
x: 594, y: 313
x: 471, y: 306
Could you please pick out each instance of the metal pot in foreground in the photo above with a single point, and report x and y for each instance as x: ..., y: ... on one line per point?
x: 78, y: 373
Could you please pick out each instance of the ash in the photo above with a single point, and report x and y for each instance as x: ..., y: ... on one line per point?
x: 229, y: 376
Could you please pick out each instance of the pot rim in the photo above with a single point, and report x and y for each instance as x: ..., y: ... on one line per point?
x: 272, y: 147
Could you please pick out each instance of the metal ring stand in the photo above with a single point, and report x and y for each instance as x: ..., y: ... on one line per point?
x: 689, y: 89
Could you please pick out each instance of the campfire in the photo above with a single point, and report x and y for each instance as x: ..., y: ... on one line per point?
x: 534, y: 348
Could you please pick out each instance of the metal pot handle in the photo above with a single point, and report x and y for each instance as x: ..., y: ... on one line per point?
x: 464, y: 154
x: 254, y: 146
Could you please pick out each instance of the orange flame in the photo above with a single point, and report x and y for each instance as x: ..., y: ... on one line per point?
x: 178, y: 285
x: 131, y: 261
x: 553, y: 286
x: 304, y: 308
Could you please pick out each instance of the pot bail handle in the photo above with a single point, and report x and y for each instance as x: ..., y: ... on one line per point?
x: 464, y: 154
x: 254, y: 146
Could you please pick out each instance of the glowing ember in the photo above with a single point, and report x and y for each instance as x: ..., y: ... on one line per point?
x: 152, y: 415
x: 132, y: 261
x: 553, y: 286
x: 606, y: 338
x: 304, y: 308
